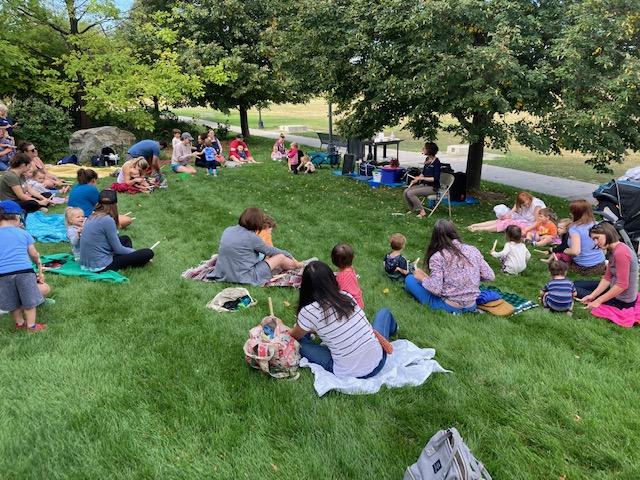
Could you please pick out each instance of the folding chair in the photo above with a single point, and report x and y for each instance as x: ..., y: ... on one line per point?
x: 446, y: 181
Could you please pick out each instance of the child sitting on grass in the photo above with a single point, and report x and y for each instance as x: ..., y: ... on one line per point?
x: 557, y: 251
x: 266, y: 231
x: 37, y: 181
x: 396, y: 265
x: 21, y: 289
x: 544, y: 232
x: 74, y: 220
x: 558, y: 294
x: 306, y: 165
x: 342, y: 257
x: 514, y: 256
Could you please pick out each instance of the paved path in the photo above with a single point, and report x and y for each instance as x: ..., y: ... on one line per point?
x: 534, y: 182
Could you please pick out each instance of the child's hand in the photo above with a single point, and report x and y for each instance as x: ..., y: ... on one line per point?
x: 40, y: 277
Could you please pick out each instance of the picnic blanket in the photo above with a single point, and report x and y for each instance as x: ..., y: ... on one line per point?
x: 408, y: 365
x: 71, y: 268
x: 70, y: 170
x: 625, y: 317
x: 520, y: 304
x: 124, y: 188
x: 290, y: 278
x: 47, y: 228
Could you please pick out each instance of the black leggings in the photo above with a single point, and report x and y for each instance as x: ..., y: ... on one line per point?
x: 29, y: 206
x: 139, y: 258
x: 585, y: 287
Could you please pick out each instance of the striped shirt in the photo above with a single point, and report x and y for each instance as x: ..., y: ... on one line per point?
x: 354, y: 348
x: 559, y: 295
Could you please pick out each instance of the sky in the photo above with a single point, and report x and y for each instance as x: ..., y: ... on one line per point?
x: 124, y: 4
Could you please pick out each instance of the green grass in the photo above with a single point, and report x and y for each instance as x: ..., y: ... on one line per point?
x: 142, y: 381
x: 314, y: 116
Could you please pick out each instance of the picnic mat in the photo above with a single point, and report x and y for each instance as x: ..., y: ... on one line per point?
x: 624, y: 317
x: 290, y: 278
x: 47, y: 228
x: 71, y: 268
x: 70, y: 170
x: 408, y: 365
x: 520, y: 304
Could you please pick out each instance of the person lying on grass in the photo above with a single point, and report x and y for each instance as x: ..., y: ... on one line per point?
x: 351, y: 347
x: 455, y: 272
x: 239, y: 259
x: 100, y: 246
x: 523, y: 214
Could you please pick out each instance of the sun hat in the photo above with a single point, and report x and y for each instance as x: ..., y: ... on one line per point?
x: 499, y: 308
x: 108, y: 197
x: 10, y: 207
x: 187, y: 136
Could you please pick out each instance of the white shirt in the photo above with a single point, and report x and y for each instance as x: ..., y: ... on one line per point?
x: 514, y: 257
x: 174, y: 143
x: 354, y: 348
x: 527, y: 214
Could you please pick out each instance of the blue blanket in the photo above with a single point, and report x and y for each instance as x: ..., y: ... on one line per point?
x: 47, y: 228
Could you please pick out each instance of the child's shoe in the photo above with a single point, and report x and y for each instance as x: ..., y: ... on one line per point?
x: 37, y: 327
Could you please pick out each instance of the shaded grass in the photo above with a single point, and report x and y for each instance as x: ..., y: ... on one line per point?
x: 142, y: 381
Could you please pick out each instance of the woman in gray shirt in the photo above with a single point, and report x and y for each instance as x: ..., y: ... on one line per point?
x: 239, y: 259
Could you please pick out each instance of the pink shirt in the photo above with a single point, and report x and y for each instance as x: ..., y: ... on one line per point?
x: 348, y: 281
x: 293, y: 156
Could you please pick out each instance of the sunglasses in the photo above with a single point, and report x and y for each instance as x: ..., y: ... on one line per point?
x: 32, y: 150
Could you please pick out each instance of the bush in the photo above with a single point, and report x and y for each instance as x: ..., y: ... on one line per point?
x: 46, y: 126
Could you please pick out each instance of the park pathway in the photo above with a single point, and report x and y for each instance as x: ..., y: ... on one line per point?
x: 534, y: 182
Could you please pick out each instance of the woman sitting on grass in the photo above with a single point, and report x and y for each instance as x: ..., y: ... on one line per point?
x: 51, y: 181
x: 351, y: 347
x: 100, y: 246
x: 455, y: 272
x: 13, y: 185
x: 582, y: 254
x: 239, y: 259
x: 523, y: 214
x: 132, y: 174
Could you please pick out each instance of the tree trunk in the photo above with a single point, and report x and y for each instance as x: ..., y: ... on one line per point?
x: 244, y: 121
x: 156, y: 106
x: 476, y: 152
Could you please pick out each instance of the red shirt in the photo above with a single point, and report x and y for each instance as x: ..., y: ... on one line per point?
x: 233, y: 147
x: 348, y: 281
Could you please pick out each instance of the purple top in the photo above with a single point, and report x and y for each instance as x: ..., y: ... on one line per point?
x: 457, y: 279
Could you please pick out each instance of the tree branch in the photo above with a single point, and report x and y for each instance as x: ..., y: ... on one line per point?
x: 95, y: 24
x: 42, y: 21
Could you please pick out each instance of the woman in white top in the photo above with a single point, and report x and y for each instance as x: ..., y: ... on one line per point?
x: 351, y: 348
x: 133, y: 172
x: 523, y: 214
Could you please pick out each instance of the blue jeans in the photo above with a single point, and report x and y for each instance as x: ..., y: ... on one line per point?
x: 3, y: 166
x: 425, y: 297
x: 384, y: 324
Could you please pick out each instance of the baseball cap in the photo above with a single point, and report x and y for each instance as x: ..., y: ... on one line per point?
x: 108, y: 197
x: 186, y: 136
x: 10, y: 207
x: 239, y: 135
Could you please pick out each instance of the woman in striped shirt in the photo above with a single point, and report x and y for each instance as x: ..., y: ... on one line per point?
x: 351, y: 348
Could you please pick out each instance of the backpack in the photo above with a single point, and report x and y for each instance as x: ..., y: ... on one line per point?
x: 107, y: 158
x: 272, y: 349
x: 68, y: 159
x: 446, y: 457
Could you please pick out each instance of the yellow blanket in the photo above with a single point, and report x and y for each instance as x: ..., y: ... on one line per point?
x: 70, y: 170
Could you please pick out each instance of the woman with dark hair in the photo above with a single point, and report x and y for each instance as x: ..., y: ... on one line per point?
x: 100, y: 246
x: 582, y: 255
x: 351, y: 347
x: 239, y: 259
x: 455, y: 272
x: 50, y: 180
x: 13, y: 185
x: 425, y: 184
x: 619, y: 284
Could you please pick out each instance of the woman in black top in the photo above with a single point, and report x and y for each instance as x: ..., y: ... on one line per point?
x: 425, y: 184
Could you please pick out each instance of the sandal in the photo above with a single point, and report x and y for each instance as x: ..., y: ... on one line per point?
x: 37, y: 327
x: 20, y: 326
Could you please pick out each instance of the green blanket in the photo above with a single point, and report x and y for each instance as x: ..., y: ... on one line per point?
x: 71, y: 268
x: 520, y: 304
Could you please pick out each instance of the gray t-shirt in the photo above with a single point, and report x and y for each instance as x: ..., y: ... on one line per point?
x: 99, y: 243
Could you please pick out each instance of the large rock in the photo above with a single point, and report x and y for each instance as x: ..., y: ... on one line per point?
x: 87, y: 143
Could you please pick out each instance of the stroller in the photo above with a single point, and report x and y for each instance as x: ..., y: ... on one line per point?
x: 619, y: 204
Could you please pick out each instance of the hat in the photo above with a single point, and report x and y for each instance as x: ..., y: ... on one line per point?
x: 10, y: 207
x: 108, y: 197
x: 187, y: 136
x: 239, y: 135
x: 499, y: 308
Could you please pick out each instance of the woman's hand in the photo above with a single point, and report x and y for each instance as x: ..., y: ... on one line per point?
x: 586, y: 299
x: 419, y: 274
x: 595, y: 304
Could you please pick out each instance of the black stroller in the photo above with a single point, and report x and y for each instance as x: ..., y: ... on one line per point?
x: 619, y: 203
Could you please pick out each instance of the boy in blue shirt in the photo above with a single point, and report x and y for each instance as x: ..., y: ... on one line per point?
x: 558, y: 294
x: 210, y: 158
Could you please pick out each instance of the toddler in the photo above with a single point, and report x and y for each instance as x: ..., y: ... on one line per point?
x: 74, y: 220
x: 558, y: 294
x: 210, y: 158
x: 544, y: 231
x: 267, y: 229
x: 306, y: 165
x: 21, y: 290
x: 242, y: 153
x: 342, y: 257
x: 514, y: 256
x: 557, y: 251
x: 292, y: 155
x: 37, y: 182
x: 395, y: 264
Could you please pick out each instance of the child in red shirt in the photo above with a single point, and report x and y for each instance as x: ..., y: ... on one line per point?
x: 342, y: 257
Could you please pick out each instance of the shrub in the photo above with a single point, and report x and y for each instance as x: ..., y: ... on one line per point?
x: 46, y: 126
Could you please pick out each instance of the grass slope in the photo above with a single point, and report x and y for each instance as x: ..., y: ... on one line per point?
x: 141, y: 381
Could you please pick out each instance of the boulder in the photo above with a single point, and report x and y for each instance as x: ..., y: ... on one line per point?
x: 89, y: 142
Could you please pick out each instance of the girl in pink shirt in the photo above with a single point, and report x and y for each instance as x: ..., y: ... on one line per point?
x: 342, y: 257
x: 292, y: 155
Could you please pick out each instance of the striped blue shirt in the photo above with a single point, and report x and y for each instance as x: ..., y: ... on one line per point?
x: 559, y: 295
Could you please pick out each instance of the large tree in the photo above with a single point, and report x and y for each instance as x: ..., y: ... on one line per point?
x: 492, y: 66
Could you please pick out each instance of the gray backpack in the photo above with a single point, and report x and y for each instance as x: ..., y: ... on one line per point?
x: 446, y: 457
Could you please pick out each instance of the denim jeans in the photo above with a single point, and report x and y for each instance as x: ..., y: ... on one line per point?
x: 383, y: 323
x: 425, y: 297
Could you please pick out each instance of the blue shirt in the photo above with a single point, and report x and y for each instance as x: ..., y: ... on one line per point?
x: 84, y: 196
x: 145, y: 148
x: 559, y: 294
x: 13, y: 254
x: 209, y: 154
x: 590, y: 255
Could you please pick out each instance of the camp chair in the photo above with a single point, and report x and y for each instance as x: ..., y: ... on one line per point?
x: 446, y: 181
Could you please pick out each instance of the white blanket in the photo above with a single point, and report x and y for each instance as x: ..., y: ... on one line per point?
x: 408, y: 365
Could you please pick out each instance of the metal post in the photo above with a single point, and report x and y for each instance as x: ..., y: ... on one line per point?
x: 260, y: 122
x: 330, y: 147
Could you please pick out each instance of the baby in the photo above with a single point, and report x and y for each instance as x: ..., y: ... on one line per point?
x: 557, y: 251
x: 558, y: 294
x: 514, y: 256
x: 306, y: 165
x: 74, y: 220
x: 396, y: 265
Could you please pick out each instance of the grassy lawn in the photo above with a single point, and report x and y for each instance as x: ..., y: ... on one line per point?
x: 142, y: 381
x: 314, y: 116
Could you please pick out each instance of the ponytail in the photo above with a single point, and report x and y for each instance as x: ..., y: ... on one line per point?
x: 86, y: 175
